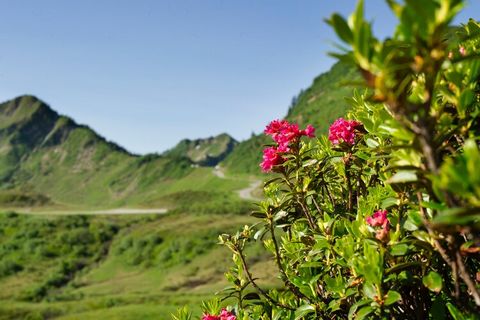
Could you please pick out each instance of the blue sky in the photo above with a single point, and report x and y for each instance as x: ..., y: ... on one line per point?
x: 148, y: 73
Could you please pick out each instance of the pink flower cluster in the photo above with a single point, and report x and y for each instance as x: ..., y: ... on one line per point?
x: 284, y: 134
x: 379, y: 219
x: 271, y: 158
x: 343, y: 130
x: 224, y: 315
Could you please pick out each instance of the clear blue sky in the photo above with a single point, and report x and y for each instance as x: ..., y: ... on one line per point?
x: 147, y: 73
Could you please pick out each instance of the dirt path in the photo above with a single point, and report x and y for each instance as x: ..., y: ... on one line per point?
x: 247, y: 193
x: 110, y: 211
x: 219, y: 172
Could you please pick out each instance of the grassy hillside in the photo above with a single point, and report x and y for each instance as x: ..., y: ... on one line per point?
x: 47, y: 156
x: 113, y: 267
x: 319, y: 105
x: 48, y: 159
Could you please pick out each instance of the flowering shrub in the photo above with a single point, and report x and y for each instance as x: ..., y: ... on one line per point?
x: 381, y: 219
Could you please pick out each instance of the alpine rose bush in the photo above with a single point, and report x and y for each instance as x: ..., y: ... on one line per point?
x: 383, y: 221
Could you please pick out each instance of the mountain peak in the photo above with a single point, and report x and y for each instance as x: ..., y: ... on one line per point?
x: 23, y: 108
x: 206, y: 152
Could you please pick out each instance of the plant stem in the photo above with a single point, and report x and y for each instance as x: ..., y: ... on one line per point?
x: 285, y: 279
x: 349, y: 184
x: 254, y: 284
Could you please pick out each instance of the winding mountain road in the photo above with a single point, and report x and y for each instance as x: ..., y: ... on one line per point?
x: 245, y: 193
x: 117, y: 211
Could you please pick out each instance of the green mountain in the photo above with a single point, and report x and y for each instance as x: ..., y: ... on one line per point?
x: 319, y: 105
x: 47, y: 156
x: 48, y: 159
x: 204, y: 152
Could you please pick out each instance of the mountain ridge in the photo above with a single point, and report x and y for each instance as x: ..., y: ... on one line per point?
x: 50, y: 156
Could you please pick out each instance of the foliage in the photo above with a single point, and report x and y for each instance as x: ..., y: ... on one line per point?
x: 382, y: 221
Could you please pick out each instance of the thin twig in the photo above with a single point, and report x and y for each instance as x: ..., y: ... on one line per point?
x: 254, y: 284
x: 285, y: 279
x: 462, y: 270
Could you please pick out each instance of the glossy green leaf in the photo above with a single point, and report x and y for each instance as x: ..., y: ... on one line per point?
x: 304, y: 310
x: 399, y: 249
x: 454, y: 312
x: 364, y: 312
x: 392, y: 297
x: 403, y: 176
x: 341, y: 27
x: 433, y: 281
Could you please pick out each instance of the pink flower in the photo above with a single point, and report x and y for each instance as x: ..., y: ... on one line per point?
x: 309, y: 131
x: 284, y: 133
x: 271, y: 158
x: 463, y: 51
x: 378, y: 218
x: 343, y: 130
x: 226, y: 315
x: 382, y: 233
x: 276, y: 126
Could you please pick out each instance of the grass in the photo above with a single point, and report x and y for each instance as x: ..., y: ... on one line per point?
x: 114, y: 267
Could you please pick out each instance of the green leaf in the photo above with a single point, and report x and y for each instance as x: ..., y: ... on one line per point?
x: 341, y: 27
x: 392, y: 297
x: 280, y: 215
x: 355, y: 306
x: 403, y: 176
x: 433, y: 281
x: 454, y: 312
x: 363, y: 312
x: 371, y: 143
x: 389, y: 202
x: 459, y: 216
x: 258, y: 214
x: 303, y: 311
x: 466, y: 99
x: 415, y: 218
x: 399, y: 249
